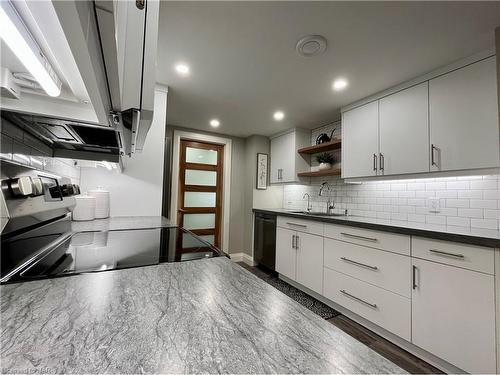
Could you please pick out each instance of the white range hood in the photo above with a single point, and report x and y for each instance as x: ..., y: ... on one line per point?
x: 105, y: 53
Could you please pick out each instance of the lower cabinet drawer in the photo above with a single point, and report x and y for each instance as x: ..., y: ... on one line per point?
x: 397, y: 243
x: 386, y: 309
x: 300, y: 225
x: 472, y: 257
x: 382, y: 268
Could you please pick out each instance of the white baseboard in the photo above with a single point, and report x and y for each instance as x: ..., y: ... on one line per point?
x: 242, y: 257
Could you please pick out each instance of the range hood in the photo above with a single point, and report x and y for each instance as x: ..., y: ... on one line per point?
x: 113, y: 44
x: 70, y: 139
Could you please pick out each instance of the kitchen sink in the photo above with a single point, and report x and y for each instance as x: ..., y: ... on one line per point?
x: 316, y: 213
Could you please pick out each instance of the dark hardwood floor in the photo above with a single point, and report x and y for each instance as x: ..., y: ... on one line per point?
x: 385, y: 348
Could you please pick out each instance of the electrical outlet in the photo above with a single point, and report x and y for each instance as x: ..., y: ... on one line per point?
x: 433, y: 204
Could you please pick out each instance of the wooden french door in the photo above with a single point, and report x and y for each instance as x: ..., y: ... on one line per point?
x: 200, y: 189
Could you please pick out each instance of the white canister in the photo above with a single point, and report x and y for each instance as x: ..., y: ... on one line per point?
x: 102, y: 202
x: 85, y: 208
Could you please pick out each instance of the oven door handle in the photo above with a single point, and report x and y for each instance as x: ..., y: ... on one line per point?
x: 37, y: 256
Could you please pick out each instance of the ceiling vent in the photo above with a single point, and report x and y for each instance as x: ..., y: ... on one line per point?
x: 311, y: 45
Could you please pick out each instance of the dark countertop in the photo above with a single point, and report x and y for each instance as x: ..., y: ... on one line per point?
x: 474, y: 236
x: 202, y: 316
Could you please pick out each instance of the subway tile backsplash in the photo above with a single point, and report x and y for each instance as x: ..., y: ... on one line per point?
x: 463, y: 201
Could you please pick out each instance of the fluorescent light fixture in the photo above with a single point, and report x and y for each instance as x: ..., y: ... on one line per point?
x: 340, y: 84
x: 17, y: 37
x: 182, y: 69
x: 214, y: 123
x: 278, y: 115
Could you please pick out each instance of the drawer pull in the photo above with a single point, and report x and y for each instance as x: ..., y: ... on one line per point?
x: 358, y: 299
x: 359, y: 237
x: 440, y: 252
x: 358, y: 263
x: 298, y: 225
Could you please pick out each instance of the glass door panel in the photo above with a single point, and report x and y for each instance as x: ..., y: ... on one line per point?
x: 201, y: 156
x: 202, y: 178
x: 198, y: 199
x: 199, y: 221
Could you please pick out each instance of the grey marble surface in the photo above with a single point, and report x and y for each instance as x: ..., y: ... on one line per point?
x: 209, y: 316
x: 120, y: 223
x: 475, y: 236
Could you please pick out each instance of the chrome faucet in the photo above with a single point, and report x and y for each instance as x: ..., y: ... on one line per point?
x: 309, y: 207
x: 330, y: 204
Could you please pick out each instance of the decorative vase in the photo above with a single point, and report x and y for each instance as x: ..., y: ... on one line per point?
x: 324, y: 166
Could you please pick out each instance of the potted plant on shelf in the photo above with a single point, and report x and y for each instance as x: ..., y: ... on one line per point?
x: 325, y: 161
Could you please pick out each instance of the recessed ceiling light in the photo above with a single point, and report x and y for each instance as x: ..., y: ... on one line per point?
x: 278, y: 115
x: 214, y: 123
x: 182, y: 69
x: 339, y: 84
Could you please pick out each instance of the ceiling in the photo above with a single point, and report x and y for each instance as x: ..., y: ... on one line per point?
x: 244, y: 65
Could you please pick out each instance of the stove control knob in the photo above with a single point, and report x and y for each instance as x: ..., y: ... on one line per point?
x: 67, y: 190
x: 21, y: 186
x: 37, y: 186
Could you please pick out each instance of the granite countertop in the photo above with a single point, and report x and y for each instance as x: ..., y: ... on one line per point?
x: 475, y: 236
x: 121, y: 223
x: 208, y: 316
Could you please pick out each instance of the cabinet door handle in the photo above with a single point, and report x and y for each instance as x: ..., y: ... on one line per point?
x: 445, y: 253
x: 297, y: 225
x: 382, y: 161
x: 374, y: 162
x: 414, y: 277
x: 374, y: 268
x: 359, y: 237
x: 358, y: 299
x: 433, y: 161
x: 297, y: 245
x: 293, y: 241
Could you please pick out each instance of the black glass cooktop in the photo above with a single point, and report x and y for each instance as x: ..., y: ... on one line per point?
x: 32, y: 257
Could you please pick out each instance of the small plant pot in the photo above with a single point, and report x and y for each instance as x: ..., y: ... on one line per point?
x: 324, y: 166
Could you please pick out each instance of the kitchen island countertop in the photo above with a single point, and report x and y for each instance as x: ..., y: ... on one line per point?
x: 200, y: 316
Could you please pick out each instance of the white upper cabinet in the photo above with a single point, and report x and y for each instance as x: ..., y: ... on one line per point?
x: 463, y: 109
x: 285, y: 161
x: 404, y: 131
x: 445, y: 123
x: 360, y: 141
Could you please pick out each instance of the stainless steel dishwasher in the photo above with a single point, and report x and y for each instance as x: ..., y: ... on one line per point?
x: 264, y: 251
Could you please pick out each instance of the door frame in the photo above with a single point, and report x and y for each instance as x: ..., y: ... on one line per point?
x: 226, y: 194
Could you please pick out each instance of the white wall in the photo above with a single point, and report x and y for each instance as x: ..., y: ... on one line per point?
x: 272, y: 197
x: 137, y: 191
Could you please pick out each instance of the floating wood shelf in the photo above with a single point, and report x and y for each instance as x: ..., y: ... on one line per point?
x: 333, y: 145
x: 327, y: 172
